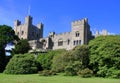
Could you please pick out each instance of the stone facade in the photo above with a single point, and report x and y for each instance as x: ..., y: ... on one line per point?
x: 79, y: 35
x: 102, y: 33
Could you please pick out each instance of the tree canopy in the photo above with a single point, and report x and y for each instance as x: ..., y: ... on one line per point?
x: 22, y: 47
x: 105, y: 56
x: 7, y: 35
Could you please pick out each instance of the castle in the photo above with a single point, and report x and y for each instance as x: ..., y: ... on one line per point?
x: 80, y: 34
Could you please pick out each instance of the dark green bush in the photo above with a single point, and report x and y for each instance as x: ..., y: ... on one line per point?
x: 47, y: 73
x: 22, y: 64
x: 85, y: 73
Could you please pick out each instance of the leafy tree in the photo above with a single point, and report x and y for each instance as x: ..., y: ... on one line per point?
x: 105, y: 56
x: 22, y: 47
x: 6, y: 35
x: 22, y: 64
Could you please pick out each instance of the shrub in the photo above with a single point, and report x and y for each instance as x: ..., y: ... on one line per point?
x: 47, y: 73
x: 45, y: 59
x: 85, y: 73
x: 21, y: 64
x: 67, y: 61
x: 59, y: 62
x: 72, y: 68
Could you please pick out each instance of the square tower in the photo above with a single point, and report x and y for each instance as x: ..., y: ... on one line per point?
x: 80, y: 32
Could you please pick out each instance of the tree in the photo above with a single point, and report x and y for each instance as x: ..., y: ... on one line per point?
x: 6, y: 35
x: 22, y: 47
x: 105, y: 56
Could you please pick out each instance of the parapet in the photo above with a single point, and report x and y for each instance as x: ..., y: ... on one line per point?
x: 78, y: 22
x: 40, y: 25
x: 17, y: 23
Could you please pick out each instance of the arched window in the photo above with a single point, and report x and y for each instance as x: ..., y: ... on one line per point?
x: 60, y: 42
x: 77, y: 34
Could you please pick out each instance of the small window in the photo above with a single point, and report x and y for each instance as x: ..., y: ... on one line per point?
x: 17, y: 33
x: 68, y: 41
x: 60, y: 42
x: 79, y: 42
x: 22, y: 32
x: 77, y: 34
x: 74, y: 43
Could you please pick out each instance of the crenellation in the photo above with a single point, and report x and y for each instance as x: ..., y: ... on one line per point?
x: 79, y: 35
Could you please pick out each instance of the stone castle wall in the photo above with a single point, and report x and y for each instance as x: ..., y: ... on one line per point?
x: 79, y: 35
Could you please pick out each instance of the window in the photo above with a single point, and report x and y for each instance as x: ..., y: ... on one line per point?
x: 60, y: 42
x: 74, y: 43
x: 77, y: 34
x: 22, y: 32
x: 17, y: 33
x: 68, y: 41
x: 79, y: 42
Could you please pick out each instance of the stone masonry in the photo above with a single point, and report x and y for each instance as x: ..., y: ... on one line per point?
x: 80, y: 34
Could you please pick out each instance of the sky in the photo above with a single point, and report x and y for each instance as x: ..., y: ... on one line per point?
x: 57, y: 15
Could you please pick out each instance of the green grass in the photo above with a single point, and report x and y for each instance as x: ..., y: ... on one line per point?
x: 35, y: 78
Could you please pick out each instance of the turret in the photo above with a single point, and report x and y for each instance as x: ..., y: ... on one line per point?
x: 40, y: 27
x: 17, y: 23
x: 51, y: 34
x: 104, y: 32
x: 28, y: 20
x: 97, y: 34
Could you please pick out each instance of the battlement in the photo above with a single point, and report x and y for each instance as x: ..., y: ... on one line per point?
x: 17, y: 23
x: 62, y: 34
x: 79, y: 22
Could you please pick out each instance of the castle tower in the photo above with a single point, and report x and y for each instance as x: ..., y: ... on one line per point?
x: 80, y: 32
x: 28, y: 20
x: 104, y: 32
x: 40, y: 27
x: 97, y: 34
x: 16, y: 23
x: 28, y: 30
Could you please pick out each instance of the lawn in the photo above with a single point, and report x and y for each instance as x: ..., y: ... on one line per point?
x: 35, y: 78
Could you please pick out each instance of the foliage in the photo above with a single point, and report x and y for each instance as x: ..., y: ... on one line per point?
x: 72, y: 68
x: 2, y: 59
x: 60, y: 61
x: 85, y: 73
x: 21, y: 64
x: 72, y: 60
x: 45, y: 59
x: 81, y: 53
x: 105, y: 55
x: 47, y: 73
x: 6, y: 35
x: 21, y: 47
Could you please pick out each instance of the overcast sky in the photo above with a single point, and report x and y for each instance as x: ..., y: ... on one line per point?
x: 57, y: 15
